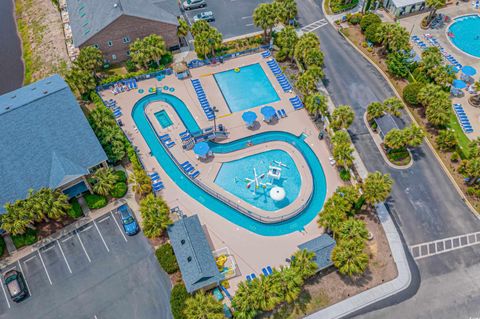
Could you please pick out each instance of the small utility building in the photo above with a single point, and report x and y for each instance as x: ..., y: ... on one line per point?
x: 194, y: 255
x: 322, y: 247
x: 400, y: 8
x: 46, y: 141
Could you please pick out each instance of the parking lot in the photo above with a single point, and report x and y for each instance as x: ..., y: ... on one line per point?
x: 93, y: 272
x: 232, y: 17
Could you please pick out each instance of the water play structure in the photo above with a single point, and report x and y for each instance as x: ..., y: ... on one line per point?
x: 277, y: 193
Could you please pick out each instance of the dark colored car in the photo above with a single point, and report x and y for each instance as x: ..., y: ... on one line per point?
x: 130, y: 225
x: 16, y: 286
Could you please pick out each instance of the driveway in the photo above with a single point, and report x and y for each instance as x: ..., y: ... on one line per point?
x: 233, y: 18
x: 94, y: 272
x: 424, y: 203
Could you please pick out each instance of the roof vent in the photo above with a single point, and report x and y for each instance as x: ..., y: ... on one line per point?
x: 34, y: 88
x: 7, y: 108
x: 13, y: 96
x: 189, y: 259
x: 182, y: 241
x: 115, y: 5
x: 49, y: 82
x: 45, y: 92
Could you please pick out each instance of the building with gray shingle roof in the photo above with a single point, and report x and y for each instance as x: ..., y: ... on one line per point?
x: 111, y: 25
x: 194, y: 255
x: 322, y: 246
x: 46, y: 141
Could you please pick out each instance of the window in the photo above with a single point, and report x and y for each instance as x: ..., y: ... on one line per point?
x: 110, y: 43
x: 126, y: 40
x: 114, y: 57
x: 96, y: 46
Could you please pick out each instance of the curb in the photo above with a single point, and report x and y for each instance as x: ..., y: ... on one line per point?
x: 382, y: 152
x: 427, y: 140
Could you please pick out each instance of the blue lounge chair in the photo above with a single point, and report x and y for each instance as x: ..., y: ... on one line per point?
x: 153, y: 174
x: 184, y: 163
x: 265, y: 272
x: 269, y: 270
x: 253, y: 276
x: 157, y: 184
x: 283, y: 113
x: 189, y: 169
x: 249, y: 278
x: 194, y: 175
x: 170, y: 144
x: 187, y: 166
x: 279, y: 113
x: 184, y: 133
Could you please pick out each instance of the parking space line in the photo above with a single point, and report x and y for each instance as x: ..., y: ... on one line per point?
x: 120, y: 229
x: 84, y: 250
x: 101, y: 236
x: 64, y: 258
x: 69, y: 237
x: 104, y: 219
x: 44, y: 267
x: 249, y: 25
x: 86, y: 228
x: 246, y: 17
x: 28, y: 259
x: 45, y: 250
x: 13, y: 268
x: 5, y: 294
x: 24, y: 278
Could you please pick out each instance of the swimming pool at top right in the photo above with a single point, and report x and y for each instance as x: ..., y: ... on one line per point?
x: 465, y: 33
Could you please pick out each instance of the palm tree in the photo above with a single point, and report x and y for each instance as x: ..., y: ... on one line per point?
x: 287, y: 10
x: 265, y: 291
x: 308, y: 41
x: 349, y: 258
x: 286, y: 40
x: 306, y: 83
x: 316, y: 104
x: 346, y: 197
x: 56, y: 202
x: 289, y: 282
x: 395, y: 139
x: 313, y: 57
x: 265, y: 16
x: 183, y: 28
x: 105, y: 180
x: 244, y: 302
x: 434, y: 5
x: 352, y: 229
x: 414, y: 135
x: 16, y: 220
x: 199, y: 27
x: 80, y: 80
x: 141, y: 183
x: 393, y: 37
x: 156, y: 216
x: 446, y: 140
x: 393, y: 105
x: 341, y: 137
x: 207, y: 42
x: 155, y: 47
x: 471, y: 169
x: 342, y: 117
x: 438, y: 112
x: 377, y: 187
x: 90, y: 59
x: 375, y: 110
x: 303, y: 263
x: 431, y: 58
x: 203, y: 306
x: 343, y: 155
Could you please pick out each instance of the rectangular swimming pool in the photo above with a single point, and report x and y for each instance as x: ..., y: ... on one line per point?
x: 163, y: 118
x: 247, y: 88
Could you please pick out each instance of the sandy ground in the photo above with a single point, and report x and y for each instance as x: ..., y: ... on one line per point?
x: 49, y: 53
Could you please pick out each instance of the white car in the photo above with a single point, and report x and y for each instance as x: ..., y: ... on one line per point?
x: 193, y: 4
x: 207, y: 16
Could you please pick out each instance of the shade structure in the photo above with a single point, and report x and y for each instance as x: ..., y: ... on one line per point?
x: 277, y: 193
x: 268, y: 112
x: 249, y: 117
x: 459, y: 84
x: 468, y: 70
x: 453, y: 68
x: 201, y: 149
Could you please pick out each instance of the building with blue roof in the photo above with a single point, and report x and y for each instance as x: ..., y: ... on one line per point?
x: 322, y: 246
x: 46, y: 141
x: 194, y: 255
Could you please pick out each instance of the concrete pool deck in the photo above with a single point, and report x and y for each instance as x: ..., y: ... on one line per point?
x: 251, y: 251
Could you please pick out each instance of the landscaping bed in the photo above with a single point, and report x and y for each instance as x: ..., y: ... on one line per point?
x: 398, y: 157
x: 337, y: 6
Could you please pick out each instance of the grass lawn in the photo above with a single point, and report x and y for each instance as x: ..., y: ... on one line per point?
x: 463, y: 140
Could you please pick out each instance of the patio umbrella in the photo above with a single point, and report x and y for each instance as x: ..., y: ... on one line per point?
x: 268, y: 112
x: 249, y: 117
x: 201, y: 149
x: 459, y: 84
x: 468, y: 70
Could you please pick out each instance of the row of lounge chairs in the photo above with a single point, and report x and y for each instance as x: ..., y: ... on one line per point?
x: 274, y: 67
x: 131, y: 84
x: 281, y: 113
x: 266, y: 54
x: 123, y: 86
x: 167, y: 141
x: 296, y: 102
x: 185, y: 136
x: 448, y: 57
x: 463, y: 118
x: 267, y: 271
x: 202, y: 98
x: 189, y: 169
x: 419, y: 42
x: 157, y: 184
x: 281, y: 78
x: 117, y: 112
x: 476, y: 4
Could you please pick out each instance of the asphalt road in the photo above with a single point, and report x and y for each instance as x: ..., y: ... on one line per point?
x: 424, y: 203
x: 94, y: 272
x: 232, y: 17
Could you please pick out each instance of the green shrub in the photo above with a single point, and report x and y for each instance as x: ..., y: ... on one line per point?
x: 166, y: 258
x: 26, y: 239
x: 345, y: 175
x: 410, y: 93
x: 130, y: 66
x: 95, y: 201
x: 75, y: 211
x: 371, y: 33
x: 368, y: 20
x: 355, y: 18
x: 455, y: 157
x: 121, y: 176
x: 178, y: 296
x: 338, y: 6
x: 119, y: 190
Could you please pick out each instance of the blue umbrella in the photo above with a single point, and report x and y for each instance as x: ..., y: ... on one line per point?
x: 201, y: 148
x: 459, y: 84
x: 249, y: 117
x: 268, y: 112
x: 468, y: 70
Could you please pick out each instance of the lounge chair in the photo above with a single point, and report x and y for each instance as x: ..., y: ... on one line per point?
x: 269, y: 269
x: 253, y: 276
x: 283, y: 113
x: 195, y: 174
x: 265, y: 272
x: 189, y: 169
x: 184, y: 163
x: 279, y: 113
x: 170, y: 144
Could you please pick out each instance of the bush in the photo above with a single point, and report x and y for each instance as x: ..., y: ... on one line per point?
x: 121, y: 176
x: 410, y: 93
x: 368, y: 20
x: 119, y: 190
x: 355, y: 18
x: 455, y: 157
x: 178, y: 296
x: 26, y: 239
x: 371, y: 33
x: 166, y: 258
x: 338, y: 6
x: 345, y: 175
x: 95, y: 201
x: 75, y: 211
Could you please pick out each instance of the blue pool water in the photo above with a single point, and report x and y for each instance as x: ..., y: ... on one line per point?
x: 214, y: 204
x: 246, y: 89
x: 466, y: 34
x: 231, y: 178
x: 163, y: 118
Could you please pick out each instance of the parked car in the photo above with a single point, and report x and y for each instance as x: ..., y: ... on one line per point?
x: 130, y: 225
x: 207, y: 16
x: 194, y: 4
x: 16, y: 286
